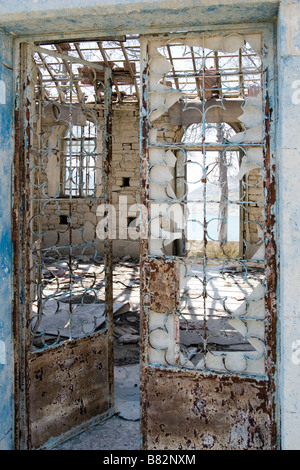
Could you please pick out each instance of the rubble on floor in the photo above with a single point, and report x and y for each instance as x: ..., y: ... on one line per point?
x: 73, y: 302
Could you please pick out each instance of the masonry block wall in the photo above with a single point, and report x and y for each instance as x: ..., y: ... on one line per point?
x: 125, y: 193
x: 126, y: 178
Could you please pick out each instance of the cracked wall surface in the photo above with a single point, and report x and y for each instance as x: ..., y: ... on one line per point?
x: 289, y: 154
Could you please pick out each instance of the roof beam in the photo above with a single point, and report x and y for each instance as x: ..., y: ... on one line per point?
x: 198, y: 85
x: 130, y: 70
x: 61, y: 94
x: 69, y: 70
x: 103, y: 53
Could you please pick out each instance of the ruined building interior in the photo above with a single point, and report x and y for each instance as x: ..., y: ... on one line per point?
x: 203, y: 182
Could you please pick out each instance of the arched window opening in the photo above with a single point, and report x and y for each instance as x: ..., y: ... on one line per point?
x: 212, y: 191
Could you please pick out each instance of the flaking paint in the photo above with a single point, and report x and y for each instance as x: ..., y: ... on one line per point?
x: 33, y: 18
x: 6, y: 369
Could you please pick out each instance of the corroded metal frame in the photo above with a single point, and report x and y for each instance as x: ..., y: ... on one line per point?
x: 183, y: 408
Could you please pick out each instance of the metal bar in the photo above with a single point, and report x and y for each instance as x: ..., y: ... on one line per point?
x: 130, y: 70
x: 102, y: 51
x: 241, y: 72
x: 61, y: 94
x: 208, y: 146
x: 76, y: 45
x: 195, y: 70
x: 271, y: 259
x: 107, y: 142
x: 78, y: 89
x: 143, y: 217
x: 83, y: 40
x: 173, y: 68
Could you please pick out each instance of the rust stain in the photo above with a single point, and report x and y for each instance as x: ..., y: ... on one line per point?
x: 271, y: 264
x: 68, y: 386
x: 162, y: 285
x: 218, y: 413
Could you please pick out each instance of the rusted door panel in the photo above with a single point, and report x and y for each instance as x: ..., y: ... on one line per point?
x: 63, y: 322
x: 208, y: 301
x: 182, y: 411
x: 68, y: 388
x: 162, y: 285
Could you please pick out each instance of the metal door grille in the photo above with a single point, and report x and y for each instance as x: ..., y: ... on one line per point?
x: 67, y: 182
x: 206, y: 158
x: 208, y: 264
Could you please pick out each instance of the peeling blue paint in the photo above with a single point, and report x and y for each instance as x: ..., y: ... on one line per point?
x: 6, y: 369
x: 297, y: 37
x: 31, y: 18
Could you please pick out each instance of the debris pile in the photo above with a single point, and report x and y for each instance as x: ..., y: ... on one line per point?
x: 72, y: 303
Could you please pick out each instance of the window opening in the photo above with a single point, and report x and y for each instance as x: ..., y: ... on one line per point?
x: 79, y: 159
x: 203, y: 160
x: 223, y: 191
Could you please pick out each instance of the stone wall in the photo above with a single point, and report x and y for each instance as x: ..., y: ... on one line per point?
x: 84, y: 219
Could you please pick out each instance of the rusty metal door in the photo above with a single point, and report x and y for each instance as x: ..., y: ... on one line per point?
x: 208, y: 264
x: 63, y: 279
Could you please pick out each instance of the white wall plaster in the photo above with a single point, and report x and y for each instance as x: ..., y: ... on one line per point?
x: 296, y: 93
x: 289, y: 214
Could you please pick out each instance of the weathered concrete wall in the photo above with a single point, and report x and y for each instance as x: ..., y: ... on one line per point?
x: 32, y: 17
x: 289, y: 215
x: 6, y: 344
